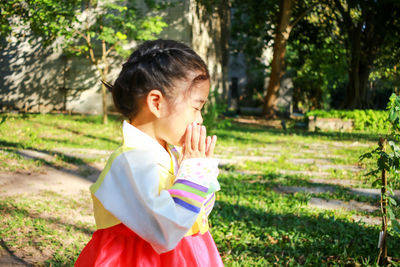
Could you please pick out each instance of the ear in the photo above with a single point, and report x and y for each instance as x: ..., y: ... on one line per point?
x: 154, y: 101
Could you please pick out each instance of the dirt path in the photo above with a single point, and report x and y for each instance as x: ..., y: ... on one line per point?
x: 73, y: 180
x: 48, y: 179
x: 66, y: 181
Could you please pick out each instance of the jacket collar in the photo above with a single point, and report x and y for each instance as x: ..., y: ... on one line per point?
x: 135, y: 138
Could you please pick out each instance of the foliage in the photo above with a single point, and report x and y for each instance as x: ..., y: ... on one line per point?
x: 110, y: 25
x: 213, y: 110
x: 317, y: 64
x: 364, y: 120
x: 115, y: 23
x: 42, y: 18
x: 388, y: 165
x: 96, y: 30
x: 368, y: 32
x: 320, y: 48
x: 256, y: 22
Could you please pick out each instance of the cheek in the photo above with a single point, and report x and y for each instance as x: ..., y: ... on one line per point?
x: 182, y: 130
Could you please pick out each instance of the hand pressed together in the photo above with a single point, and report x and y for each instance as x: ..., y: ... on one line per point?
x: 197, y: 143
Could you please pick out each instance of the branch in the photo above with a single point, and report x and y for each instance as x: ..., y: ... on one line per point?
x: 110, y: 49
x: 89, y: 42
x: 81, y: 34
x: 302, y: 15
x: 345, y: 15
x: 91, y: 53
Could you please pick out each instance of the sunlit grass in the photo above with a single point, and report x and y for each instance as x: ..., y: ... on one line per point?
x: 252, y: 223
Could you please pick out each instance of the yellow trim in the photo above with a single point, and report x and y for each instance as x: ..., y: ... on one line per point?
x: 103, y: 217
x: 200, y: 225
x: 94, y: 187
x: 190, y: 201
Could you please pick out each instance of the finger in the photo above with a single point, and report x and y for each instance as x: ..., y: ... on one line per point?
x: 212, y: 146
x: 202, y: 139
x: 208, y: 143
x: 195, y: 137
x: 188, y: 138
x: 182, y: 155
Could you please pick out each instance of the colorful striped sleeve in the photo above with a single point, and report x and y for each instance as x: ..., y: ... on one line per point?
x: 209, y: 204
x: 195, y: 184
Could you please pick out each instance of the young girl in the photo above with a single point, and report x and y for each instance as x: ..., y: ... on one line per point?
x: 153, y: 197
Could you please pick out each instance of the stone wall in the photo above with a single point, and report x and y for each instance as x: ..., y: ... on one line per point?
x: 34, y: 79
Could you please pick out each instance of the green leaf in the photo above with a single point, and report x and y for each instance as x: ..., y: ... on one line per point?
x: 391, y: 191
x: 382, y: 163
x: 365, y: 156
x: 390, y: 213
x: 376, y: 182
x: 392, y: 201
x: 396, y: 226
x: 121, y: 36
x: 393, y: 115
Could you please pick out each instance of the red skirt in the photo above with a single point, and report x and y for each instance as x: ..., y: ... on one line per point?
x: 120, y: 246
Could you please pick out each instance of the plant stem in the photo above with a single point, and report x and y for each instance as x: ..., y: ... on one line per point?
x: 383, y: 259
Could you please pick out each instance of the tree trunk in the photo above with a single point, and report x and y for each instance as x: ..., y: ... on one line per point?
x: 278, y: 60
x: 210, y: 31
x: 104, y: 74
x: 104, y: 94
x: 353, y: 99
x: 363, y: 42
x: 360, y: 68
x: 224, y: 13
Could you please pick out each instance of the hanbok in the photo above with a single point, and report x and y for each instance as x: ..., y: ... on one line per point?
x: 150, y: 210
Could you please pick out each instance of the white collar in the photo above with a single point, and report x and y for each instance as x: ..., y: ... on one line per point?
x: 135, y: 138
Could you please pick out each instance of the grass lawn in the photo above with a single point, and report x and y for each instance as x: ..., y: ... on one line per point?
x: 253, y: 224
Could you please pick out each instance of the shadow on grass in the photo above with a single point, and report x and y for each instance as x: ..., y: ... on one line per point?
x: 95, y: 119
x: 277, y: 182
x: 17, y: 149
x: 37, y: 224
x: 14, y: 258
x: 290, y: 231
x: 332, y: 135
x: 80, y: 133
x: 311, y: 238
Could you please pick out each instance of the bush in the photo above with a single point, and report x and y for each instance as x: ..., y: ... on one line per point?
x: 364, y: 120
x: 213, y: 110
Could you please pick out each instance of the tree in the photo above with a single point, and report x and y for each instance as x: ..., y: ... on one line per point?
x: 368, y: 32
x: 32, y: 18
x: 210, y: 38
x: 317, y: 62
x: 283, y: 29
x: 367, y: 28
x: 281, y: 21
x: 98, y: 30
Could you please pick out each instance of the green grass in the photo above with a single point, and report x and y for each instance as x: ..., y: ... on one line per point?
x: 252, y: 224
x: 46, y: 227
x: 45, y: 133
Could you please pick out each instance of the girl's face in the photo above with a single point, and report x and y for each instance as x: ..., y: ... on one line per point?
x: 183, y: 110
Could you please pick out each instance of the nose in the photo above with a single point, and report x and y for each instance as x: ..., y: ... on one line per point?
x: 199, y: 119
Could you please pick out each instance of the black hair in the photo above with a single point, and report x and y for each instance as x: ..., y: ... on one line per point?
x: 154, y: 65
